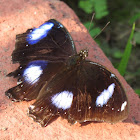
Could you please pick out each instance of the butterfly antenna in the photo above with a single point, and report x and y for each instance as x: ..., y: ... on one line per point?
x: 102, y: 30
x: 90, y: 25
x: 91, y: 21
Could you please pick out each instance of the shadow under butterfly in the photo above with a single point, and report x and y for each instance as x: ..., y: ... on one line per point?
x: 62, y: 81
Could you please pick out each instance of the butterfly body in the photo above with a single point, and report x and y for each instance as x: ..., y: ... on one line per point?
x: 63, y: 82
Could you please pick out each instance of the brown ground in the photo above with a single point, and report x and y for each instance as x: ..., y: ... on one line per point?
x: 16, y: 17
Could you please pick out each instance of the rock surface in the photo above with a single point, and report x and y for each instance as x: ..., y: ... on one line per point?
x: 15, y: 18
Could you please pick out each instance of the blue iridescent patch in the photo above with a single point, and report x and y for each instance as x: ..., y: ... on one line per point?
x: 41, y: 63
x: 39, y: 33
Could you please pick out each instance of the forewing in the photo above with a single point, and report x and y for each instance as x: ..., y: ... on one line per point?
x: 50, y: 41
x: 100, y: 96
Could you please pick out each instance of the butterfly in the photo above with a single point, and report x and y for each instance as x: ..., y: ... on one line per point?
x: 62, y: 81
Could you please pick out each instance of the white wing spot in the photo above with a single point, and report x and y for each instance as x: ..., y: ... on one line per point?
x: 123, y: 105
x: 32, y: 74
x: 32, y: 107
x: 112, y: 75
x: 62, y: 100
x: 105, y: 95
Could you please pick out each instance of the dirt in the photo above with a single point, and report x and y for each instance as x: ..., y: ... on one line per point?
x: 15, y: 18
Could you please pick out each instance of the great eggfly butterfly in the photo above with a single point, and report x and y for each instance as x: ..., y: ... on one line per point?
x: 62, y: 81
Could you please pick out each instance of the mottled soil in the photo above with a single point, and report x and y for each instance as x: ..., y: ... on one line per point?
x: 15, y: 18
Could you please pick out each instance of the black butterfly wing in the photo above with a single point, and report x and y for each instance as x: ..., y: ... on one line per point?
x: 50, y: 41
x: 41, y: 52
x: 86, y: 92
x: 31, y: 79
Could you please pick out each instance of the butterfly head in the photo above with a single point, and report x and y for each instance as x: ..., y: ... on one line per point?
x: 83, y: 54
